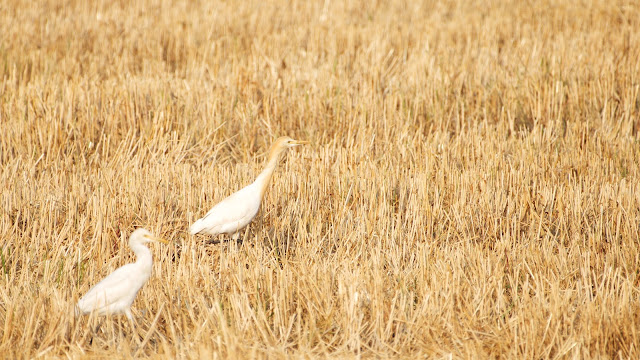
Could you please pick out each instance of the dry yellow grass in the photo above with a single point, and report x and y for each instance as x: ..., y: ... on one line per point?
x: 471, y: 191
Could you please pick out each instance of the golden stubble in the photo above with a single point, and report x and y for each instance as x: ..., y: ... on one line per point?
x: 470, y: 190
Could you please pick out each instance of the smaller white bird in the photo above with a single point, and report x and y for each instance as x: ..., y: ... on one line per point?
x: 115, y: 293
x: 235, y: 212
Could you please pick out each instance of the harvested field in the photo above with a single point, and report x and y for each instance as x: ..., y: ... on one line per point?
x: 471, y: 189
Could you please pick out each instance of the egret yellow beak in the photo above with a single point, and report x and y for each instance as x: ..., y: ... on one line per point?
x: 153, y: 238
x: 162, y: 240
x: 299, y: 142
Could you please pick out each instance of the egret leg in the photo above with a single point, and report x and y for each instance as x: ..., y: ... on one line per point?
x: 132, y: 322
x: 129, y: 315
x: 236, y: 236
x: 95, y: 332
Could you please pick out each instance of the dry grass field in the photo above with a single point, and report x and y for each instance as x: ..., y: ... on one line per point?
x: 471, y: 189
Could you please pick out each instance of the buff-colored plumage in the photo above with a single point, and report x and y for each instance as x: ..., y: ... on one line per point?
x: 236, y: 211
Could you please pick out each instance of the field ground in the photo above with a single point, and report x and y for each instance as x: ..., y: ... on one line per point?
x: 471, y: 190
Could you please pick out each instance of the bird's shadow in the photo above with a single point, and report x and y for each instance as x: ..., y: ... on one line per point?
x: 109, y: 325
x: 244, y: 233
x: 238, y: 241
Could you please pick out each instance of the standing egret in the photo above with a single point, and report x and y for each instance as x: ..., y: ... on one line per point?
x: 115, y: 293
x: 236, y: 211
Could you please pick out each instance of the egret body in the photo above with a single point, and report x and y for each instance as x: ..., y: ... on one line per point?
x: 115, y: 293
x: 236, y: 211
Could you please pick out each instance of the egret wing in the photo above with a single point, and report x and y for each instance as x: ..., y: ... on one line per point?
x: 116, y: 287
x: 232, y: 210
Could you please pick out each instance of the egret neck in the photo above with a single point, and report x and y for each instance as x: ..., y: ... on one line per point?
x: 143, y: 254
x: 265, y: 176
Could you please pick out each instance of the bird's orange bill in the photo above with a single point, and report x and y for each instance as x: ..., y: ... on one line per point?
x: 299, y: 142
x: 153, y: 238
x: 162, y: 240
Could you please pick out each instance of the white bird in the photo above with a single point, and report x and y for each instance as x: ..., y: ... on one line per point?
x: 115, y: 293
x: 235, y: 212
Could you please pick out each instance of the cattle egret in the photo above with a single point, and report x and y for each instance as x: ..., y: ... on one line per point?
x: 236, y: 211
x: 115, y: 293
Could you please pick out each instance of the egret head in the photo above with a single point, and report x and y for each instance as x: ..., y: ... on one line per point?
x: 281, y: 144
x: 287, y: 142
x: 143, y: 236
